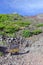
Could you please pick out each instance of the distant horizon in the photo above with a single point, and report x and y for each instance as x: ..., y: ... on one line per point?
x: 23, y: 15
x: 28, y: 14
x: 22, y: 7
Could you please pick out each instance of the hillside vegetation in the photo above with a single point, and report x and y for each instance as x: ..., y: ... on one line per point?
x: 10, y: 24
x: 21, y: 38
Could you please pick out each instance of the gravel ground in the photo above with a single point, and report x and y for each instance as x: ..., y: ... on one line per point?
x: 34, y: 57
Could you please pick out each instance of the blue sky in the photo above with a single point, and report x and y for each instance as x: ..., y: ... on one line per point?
x: 23, y: 7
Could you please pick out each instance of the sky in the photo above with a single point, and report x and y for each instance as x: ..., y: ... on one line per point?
x: 22, y: 7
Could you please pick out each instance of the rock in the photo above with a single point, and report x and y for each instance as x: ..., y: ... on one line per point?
x: 20, y: 43
x: 38, y: 45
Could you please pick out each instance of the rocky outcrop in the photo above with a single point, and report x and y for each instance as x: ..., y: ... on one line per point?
x: 35, y: 56
x: 11, y: 43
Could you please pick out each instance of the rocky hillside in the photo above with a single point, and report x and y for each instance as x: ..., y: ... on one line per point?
x: 24, y: 33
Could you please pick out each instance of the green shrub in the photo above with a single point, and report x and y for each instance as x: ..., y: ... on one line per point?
x: 10, y: 17
x: 11, y: 23
x: 1, y: 54
x: 23, y: 24
x: 11, y: 34
x: 39, y: 25
x: 26, y: 33
x: 11, y: 28
x: 3, y: 17
x: 2, y: 32
x: 2, y: 26
x: 38, y: 31
x: 16, y: 27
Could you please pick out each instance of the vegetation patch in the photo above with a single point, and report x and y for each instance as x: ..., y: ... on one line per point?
x: 39, y: 25
x: 11, y: 28
x: 28, y: 33
x: 12, y: 23
x: 2, y: 26
x: 11, y: 34
x: 1, y: 54
x: 37, y: 31
x: 22, y: 23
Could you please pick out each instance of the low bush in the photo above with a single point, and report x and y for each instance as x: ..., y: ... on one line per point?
x: 36, y: 32
x: 23, y: 24
x: 2, y: 26
x: 26, y: 33
x: 11, y: 34
x: 1, y: 54
x: 39, y: 25
x: 1, y: 33
x: 11, y: 28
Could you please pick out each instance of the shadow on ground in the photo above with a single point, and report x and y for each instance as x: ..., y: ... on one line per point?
x: 3, y: 49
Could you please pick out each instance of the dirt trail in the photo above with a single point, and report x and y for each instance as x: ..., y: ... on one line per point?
x: 34, y: 59
x: 35, y: 56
